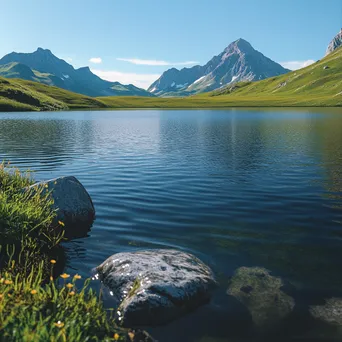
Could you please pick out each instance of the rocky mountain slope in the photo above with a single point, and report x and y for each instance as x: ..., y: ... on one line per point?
x: 335, y: 43
x: 44, y: 67
x: 238, y: 62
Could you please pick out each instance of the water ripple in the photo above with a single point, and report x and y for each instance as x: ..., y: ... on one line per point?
x: 233, y: 187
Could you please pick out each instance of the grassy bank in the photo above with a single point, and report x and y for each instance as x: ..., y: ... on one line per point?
x: 37, y: 301
x: 318, y: 85
x: 210, y: 101
x: 20, y: 95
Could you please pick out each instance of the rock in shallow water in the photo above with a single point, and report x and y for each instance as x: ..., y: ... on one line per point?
x: 156, y: 286
x: 72, y: 201
x: 330, y: 313
x: 262, y: 295
x: 326, y: 321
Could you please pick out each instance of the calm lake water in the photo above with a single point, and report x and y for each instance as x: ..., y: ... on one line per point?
x: 234, y: 187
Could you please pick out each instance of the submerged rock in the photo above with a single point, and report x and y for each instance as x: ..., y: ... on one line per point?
x: 261, y: 293
x: 325, y: 321
x: 156, y: 286
x: 330, y: 313
x: 71, y: 200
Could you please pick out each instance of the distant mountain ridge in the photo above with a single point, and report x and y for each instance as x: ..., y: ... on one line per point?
x: 238, y: 62
x: 44, y: 67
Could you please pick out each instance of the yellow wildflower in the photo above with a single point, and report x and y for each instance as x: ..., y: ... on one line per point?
x: 116, y: 337
x: 77, y: 276
x: 59, y: 324
x: 53, y: 261
x: 65, y: 276
x: 61, y: 223
x: 51, y: 278
x: 1, y: 296
x: 69, y: 286
x: 33, y: 292
x: 8, y: 282
x: 72, y: 293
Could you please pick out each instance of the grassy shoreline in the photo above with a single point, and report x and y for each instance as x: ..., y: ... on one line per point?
x: 136, y: 103
x: 38, y: 301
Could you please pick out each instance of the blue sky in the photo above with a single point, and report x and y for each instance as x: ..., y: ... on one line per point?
x: 134, y: 41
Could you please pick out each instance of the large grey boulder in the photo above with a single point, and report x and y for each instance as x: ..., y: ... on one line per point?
x: 155, y: 286
x: 71, y: 200
x: 261, y: 293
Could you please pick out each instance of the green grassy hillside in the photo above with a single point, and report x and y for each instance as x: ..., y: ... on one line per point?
x: 20, y: 95
x: 317, y: 85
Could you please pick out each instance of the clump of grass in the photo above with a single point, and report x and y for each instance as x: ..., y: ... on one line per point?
x: 23, y: 213
x: 32, y: 312
x: 12, y: 179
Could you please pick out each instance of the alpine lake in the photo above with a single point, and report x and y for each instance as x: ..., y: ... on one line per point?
x: 236, y: 188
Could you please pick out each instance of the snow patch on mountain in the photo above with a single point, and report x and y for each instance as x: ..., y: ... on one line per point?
x: 178, y: 86
x: 199, y: 80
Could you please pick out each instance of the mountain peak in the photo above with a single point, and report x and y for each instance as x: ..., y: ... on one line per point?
x: 41, y: 49
x: 335, y: 43
x: 84, y: 69
x: 241, y: 44
x: 59, y: 73
x: 242, y: 41
x: 45, y: 51
x: 238, y: 62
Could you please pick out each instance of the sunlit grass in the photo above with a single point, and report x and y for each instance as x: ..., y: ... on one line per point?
x: 33, y: 311
x: 24, y: 214
x: 21, y: 95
